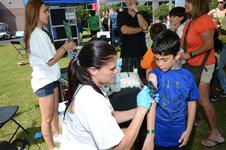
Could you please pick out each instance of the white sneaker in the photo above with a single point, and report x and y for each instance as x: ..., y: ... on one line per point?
x: 57, y: 139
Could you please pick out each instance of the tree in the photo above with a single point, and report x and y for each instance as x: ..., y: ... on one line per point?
x: 162, y: 11
x: 147, y: 9
x: 213, y: 4
x: 83, y: 14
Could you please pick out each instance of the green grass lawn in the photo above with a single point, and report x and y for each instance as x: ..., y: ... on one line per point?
x: 15, y: 89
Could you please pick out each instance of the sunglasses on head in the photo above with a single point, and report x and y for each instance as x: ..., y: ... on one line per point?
x: 220, y: 2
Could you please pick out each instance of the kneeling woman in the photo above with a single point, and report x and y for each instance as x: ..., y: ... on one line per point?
x: 90, y: 121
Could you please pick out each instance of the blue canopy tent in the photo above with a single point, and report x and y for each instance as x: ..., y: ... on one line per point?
x: 64, y: 2
x: 66, y: 12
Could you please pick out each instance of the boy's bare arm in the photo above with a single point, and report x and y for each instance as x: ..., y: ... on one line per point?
x: 149, y: 141
x: 191, y: 114
x: 190, y: 121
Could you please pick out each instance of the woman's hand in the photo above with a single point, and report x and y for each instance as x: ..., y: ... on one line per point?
x: 144, y: 99
x: 185, y: 56
x: 68, y: 46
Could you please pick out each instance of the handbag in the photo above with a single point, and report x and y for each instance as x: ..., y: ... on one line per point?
x: 195, y: 70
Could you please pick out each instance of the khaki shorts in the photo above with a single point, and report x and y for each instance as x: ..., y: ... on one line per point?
x: 207, y: 75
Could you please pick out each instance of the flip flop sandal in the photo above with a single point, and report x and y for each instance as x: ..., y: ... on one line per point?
x: 22, y: 62
x: 211, y: 142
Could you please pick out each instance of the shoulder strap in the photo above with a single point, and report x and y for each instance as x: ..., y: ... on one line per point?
x: 205, y: 58
x: 76, y: 91
x: 216, y: 13
x: 185, y: 37
x: 185, y: 41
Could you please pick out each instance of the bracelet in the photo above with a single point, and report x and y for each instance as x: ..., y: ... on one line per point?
x: 152, y: 131
x: 192, y: 54
x: 63, y: 48
x: 138, y: 13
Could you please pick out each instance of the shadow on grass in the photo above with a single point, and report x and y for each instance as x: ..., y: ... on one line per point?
x: 22, y: 112
x: 28, y: 139
x: 191, y: 139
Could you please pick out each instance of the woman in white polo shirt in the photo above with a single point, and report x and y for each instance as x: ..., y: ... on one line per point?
x: 45, y: 69
x: 90, y: 123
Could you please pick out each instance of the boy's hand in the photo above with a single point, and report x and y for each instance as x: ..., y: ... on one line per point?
x: 184, y: 138
x: 144, y: 99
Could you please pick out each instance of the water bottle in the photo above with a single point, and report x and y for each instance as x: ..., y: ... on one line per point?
x: 116, y: 86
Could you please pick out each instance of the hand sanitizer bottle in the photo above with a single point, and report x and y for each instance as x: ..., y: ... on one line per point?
x: 116, y: 86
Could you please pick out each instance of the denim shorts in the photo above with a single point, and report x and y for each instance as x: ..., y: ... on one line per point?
x: 47, y: 90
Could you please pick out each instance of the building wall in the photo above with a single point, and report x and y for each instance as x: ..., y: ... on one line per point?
x: 12, y: 13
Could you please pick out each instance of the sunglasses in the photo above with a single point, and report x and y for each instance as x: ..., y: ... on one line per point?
x: 220, y: 2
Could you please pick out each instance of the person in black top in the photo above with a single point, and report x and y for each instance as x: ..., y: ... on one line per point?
x: 132, y: 25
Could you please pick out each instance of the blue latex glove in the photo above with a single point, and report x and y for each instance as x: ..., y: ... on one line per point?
x: 143, y: 98
x: 156, y: 98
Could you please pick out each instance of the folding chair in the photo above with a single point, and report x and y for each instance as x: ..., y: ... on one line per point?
x: 18, y: 46
x: 7, y: 146
x: 7, y: 113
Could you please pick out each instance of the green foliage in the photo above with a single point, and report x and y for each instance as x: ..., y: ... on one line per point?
x: 213, y: 4
x: 82, y: 12
x: 103, y: 9
x: 106, y: 8
x: 162, y: 10
x: 15, y: 89
x: 115, y: 6
x: 146, y: 8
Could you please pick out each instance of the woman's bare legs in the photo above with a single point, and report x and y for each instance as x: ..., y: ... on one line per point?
x: 209, y: 112
x: 46, y: 105
x: 55, y: 121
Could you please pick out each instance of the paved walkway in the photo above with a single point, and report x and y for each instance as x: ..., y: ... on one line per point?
x: 8, y: 41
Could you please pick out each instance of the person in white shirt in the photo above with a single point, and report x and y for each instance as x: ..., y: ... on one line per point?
x: 90, y: 123
x: 178, y: 19
x: 43, y: 58
x: 218, y: 13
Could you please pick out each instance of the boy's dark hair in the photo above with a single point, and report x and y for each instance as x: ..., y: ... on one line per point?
x: 156, y: 28
x: 180, y: 12
x: 166, y: 43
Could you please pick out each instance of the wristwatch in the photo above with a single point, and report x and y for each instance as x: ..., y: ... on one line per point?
x: 192, y: 54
